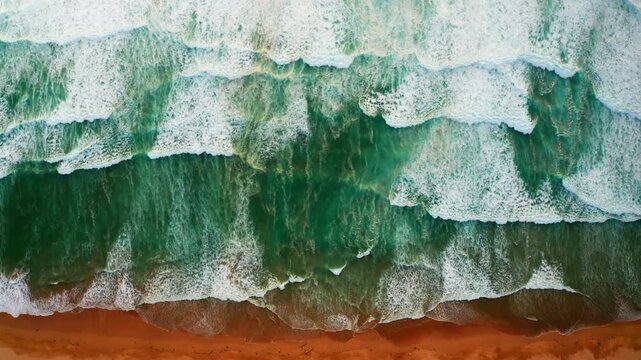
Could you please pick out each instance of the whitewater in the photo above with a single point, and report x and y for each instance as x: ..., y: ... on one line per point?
x: 278, y: 152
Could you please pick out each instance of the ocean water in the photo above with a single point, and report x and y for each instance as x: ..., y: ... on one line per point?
x: 336, y: 163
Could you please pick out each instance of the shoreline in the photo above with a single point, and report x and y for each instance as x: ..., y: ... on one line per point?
x: 105, y: 334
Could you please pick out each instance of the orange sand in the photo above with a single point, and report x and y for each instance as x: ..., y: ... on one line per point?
x: 100, y: 334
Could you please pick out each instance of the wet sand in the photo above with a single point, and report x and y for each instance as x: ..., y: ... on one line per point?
x: 101, y: 334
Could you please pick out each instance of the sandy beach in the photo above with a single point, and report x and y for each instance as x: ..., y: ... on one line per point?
x: 102, y: 334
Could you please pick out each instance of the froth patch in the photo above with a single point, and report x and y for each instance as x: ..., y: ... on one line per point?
x: 459, y: 31
x: 616, y: 59
x: 407, y: 292
x: 200, y: 118
x: 609, y: 176
x: 547, y: 277
x: 96, y: 81
x: 275, y: 130
x: 220, y: 61
x: 474, y: 177
x: 63, y: 21
x: 338, y: 270
x: 470, y: 94
x: 363, y: 253
x: 316, y: 32
x: 36, y: 141
x: 82, y: 81
x: 471, y: 271
x: 112, y: 288
x: 16, y: 299
x: 477, y: 264
x: 228, y: 268
x: 104, y: 151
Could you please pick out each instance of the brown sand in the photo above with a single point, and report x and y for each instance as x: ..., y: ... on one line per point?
x: 100, y: 334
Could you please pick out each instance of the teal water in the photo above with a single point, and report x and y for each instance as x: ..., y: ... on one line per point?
x: 338, y: 176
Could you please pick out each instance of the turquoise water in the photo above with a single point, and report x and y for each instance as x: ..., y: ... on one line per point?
x: 338, y: 164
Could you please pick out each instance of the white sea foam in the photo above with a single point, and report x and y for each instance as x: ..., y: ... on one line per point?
x: 16, y: 299
x: 471, y: 271
x: 93, y: 86
x: 412, y: 285
x: 112, y: 287
x: 407, y: 292
x: 10, y: 5
x: 34, y: 141
x: 338, y: 270
x: 475, y: 265
x: 292, y: 279
x: 230, y: 270
x: 95, y: 82
x: 600, y: 37
x: 609, y: 176
x: 200, y: 118
x: 37, y: 141
x: 547, y: 277
x: 63, y: 21
x: 452, y: 34
x: 208, y: 23
x: 104, y: 151
x: 220, y: 61
x: 468, y: 32
x: 469, y: 94
x: 474, y: 177
x: 314, y: 31
x: 364, y: 253
x: 211, y: 128
x: 616, y: 59
x: 14, y: 146
x: 280, y: 129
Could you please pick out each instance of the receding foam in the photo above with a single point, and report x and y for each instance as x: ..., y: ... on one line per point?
x: 112, y: 288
